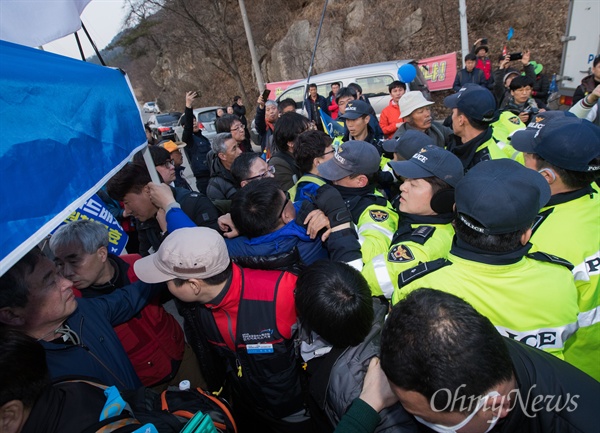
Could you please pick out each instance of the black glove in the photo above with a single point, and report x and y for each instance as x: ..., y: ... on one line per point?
x: 305, y: 208
x: 330, y: 201
x: 384, y: 179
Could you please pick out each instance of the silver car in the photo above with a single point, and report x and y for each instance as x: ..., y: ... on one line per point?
x: 151, y: 107
x: 206, y: 117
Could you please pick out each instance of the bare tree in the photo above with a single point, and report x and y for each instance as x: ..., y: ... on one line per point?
x: 211, y: 27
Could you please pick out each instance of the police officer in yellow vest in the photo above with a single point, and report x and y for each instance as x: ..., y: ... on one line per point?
x: 425, y: 231
x: 566, y: 151
x: 351, y: 171
x: 528, y: 297
x: 502, y: 130
x: 473, y: 111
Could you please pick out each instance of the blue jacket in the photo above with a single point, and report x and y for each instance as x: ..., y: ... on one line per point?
x: 280, y: 241
x: 100, y: 354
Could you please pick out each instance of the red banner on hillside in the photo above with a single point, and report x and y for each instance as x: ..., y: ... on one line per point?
x: 439, y: 71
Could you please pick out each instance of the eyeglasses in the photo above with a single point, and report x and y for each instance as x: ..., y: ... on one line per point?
x: 262, y: 175
x: 523, y: 89
x: 285, y: 203
x: 168, y: 162
x: 240, y: 126
x: 327, y: 153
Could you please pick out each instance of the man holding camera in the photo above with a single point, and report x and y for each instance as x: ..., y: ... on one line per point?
x: 505, y: 74
x: 521, y: 103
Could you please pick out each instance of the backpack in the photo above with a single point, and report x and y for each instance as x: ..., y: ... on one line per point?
x: 146, y: 411
x: 116, y: 415
x: 192, y: 410
x: 187, y: 404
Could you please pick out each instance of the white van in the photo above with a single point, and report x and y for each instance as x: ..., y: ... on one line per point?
x: 374, y: 79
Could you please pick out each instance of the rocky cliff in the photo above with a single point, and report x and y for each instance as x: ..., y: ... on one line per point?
x: 202, y: 45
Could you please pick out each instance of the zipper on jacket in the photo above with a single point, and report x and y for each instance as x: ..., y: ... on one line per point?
x: 95, y: 357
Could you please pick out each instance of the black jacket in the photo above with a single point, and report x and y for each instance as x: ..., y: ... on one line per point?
x: 463, y: 77
x: 467, y: 152
x: 222, y: 185
x: 312, y: 108
x: 197, y: 147
x: 265, y: 134
x: 240, y: 111
x: 541, y: 88
x: 501, y: 93
x: 180, y: 181
x: 544, y: 382
x: 588, y: 84
x: 196, y: 206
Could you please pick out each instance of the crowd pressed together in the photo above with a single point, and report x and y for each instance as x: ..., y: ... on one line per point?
x: 409, y: 275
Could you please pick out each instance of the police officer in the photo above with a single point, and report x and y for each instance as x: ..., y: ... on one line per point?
x: 473, y: 111
x: 530, y: 298
x: 357, y: 117
x: 566, y: 151
x: 425, y: 231
x: 351, y: 170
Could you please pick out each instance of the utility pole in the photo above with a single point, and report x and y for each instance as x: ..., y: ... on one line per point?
x: 464, y: 34
x: 255, y: 65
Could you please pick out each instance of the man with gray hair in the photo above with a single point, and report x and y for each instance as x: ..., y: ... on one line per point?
x: 153, y: 340
x: 225, y: 150
x: 416, y: 113
x: 264, y: 122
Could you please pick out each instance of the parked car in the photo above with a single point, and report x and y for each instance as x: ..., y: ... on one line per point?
x: 374, y: 79
x: 151, y: 107
x: 206, y: 117
x: 162, y: 125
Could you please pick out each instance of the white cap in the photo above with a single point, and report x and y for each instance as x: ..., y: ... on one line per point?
x: 192, y: 252
x: 411, y: 101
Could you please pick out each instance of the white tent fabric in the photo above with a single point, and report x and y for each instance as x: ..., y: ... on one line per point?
x: 36, y: 22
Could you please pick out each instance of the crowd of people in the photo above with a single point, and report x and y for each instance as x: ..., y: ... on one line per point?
x: 411, y: 275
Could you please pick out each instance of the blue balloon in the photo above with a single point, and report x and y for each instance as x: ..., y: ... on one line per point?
x: 407, y: 73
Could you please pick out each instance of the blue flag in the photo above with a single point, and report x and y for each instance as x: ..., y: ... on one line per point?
x: 332, y: 127
x: 511, y: 32
x: 86, y: 125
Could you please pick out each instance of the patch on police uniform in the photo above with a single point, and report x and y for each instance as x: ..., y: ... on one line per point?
x: 514, y: 120
x: 549, y: 258
x: 540, y: 219
x: 421, y: 270
x: 379, y: 215
x: 400, y: 254
x: 421, y: 234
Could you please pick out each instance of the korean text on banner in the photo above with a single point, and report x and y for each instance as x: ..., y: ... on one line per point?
x: 439, y: 71
x: 93, y: 209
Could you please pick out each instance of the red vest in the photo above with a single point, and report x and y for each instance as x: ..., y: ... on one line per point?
x: 152, y: 340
